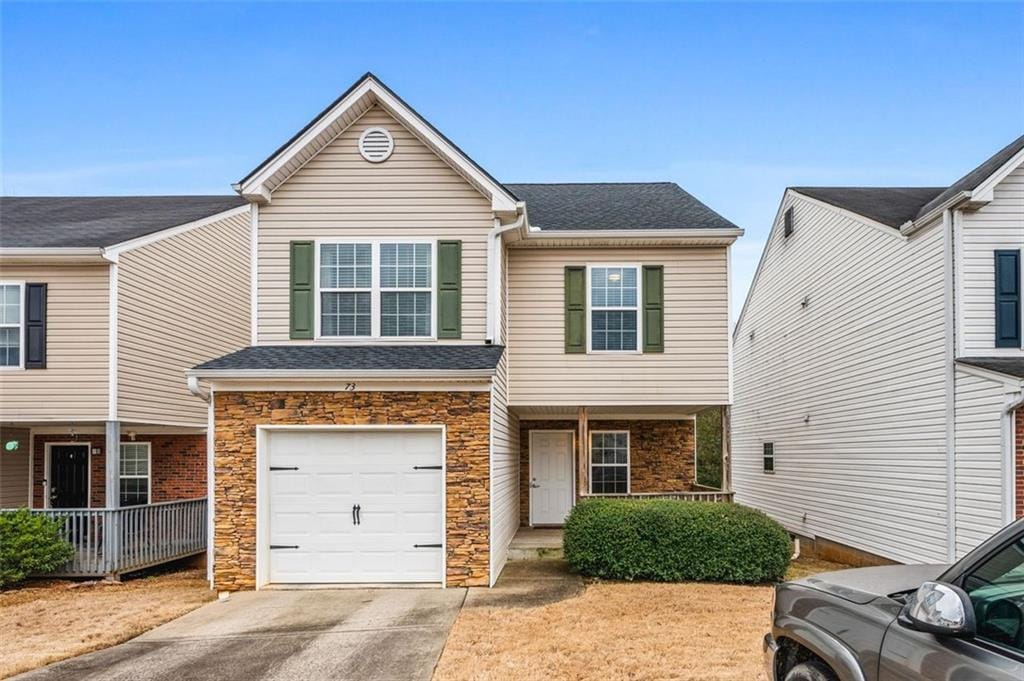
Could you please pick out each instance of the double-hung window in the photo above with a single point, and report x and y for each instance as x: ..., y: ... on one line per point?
x: 135, y: 468
x: 376, y: 290
x: 614, y: 308
x: 11, y: 324
x: 768, y: 457
x: 609, y: 462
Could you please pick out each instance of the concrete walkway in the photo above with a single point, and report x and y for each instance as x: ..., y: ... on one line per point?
x: 358, y: 634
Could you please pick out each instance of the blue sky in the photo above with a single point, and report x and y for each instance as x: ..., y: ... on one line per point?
x: 732, y: 101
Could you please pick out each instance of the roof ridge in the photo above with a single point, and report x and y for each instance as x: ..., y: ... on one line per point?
x: 126, y: 196
x: 551, y: 184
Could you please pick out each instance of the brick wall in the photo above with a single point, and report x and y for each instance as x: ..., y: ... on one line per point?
x: 178, y: 466
x: 1018, y: 448
x: 467, y: 516
x: 661, y: 454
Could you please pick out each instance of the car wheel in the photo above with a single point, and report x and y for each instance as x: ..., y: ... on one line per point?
x: 810, y: 671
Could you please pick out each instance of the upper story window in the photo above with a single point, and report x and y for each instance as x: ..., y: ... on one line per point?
x: 10, y: 324
x: 376, y: 290
x: 1008, y: 298
x: 614, y: 308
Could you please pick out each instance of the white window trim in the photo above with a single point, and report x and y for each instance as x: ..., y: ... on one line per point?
x: 636, y: 309
x: 591, y: 464
x: 20, y: 325
x: 148, y: 476
x: 375, y: 291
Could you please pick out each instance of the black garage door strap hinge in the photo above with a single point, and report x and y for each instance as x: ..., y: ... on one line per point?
x: 426, y: 468
x: 282, y: 546
x: 284, y: 468
x: 426, y: 546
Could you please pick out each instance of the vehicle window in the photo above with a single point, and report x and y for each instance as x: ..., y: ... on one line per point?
x: 997, y: 592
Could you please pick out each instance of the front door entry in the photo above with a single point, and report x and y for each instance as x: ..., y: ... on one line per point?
x: 551, y: 493
x: 69, y: 476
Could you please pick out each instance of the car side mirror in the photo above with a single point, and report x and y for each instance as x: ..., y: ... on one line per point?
x: 940, y: 609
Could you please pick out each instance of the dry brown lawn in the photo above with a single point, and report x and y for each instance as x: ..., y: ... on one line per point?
x: 47, y: 621
x: 616, y: 630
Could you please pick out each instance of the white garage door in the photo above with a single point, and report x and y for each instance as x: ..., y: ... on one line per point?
x: 354, y: 506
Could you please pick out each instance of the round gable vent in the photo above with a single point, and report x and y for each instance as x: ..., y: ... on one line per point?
x: 376, y: 145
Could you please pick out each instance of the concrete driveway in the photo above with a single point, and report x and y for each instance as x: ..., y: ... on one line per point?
x: 359, y: 634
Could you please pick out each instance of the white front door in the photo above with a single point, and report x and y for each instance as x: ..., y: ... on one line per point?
x: 354, y: 506
x: 550, y: 476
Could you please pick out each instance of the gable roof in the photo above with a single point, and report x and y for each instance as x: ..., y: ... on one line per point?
x: 370, y: 358
x: 615, y: 206
x: 99, y: 221
x: 973, y: 179
x: 365, y: 93
x: 892, y: 206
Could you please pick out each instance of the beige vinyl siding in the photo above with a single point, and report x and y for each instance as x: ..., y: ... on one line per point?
x: 182, y: 300
x: 981, y: 479
x: 73, y: 386
x: 851, y: 388
x: 338, y: 194
x: 693, y: 370
x: 996, y: 225
x: 15, y: 467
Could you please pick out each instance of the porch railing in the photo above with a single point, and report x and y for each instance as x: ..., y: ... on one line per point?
x: 715, y: 496
x: 109, y: 542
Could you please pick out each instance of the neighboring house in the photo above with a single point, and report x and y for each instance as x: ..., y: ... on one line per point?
x: 104, y: 302
x: 879, y: 368
x: 438, y: 358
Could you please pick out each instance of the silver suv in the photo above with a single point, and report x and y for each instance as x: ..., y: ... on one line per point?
x: 963, y: 622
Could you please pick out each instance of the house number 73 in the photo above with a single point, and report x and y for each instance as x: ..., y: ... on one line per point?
x: 350, y: 387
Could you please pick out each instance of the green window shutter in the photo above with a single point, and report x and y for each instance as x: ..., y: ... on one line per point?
x: 654, y: 308
x: 300, y: 300
x: 449, y: 289
x: 575, y: 309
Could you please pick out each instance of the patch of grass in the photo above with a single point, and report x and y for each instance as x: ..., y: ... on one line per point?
x: 709, y: 448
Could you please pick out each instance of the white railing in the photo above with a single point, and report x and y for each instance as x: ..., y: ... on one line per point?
x: 714, y: 496
x: 109, y: 542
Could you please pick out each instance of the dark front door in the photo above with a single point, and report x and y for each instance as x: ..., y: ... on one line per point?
x: 69, y: 476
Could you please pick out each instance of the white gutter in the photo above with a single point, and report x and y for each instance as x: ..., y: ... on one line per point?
x: 731, y: 233
x: 337, y: 374
x: 197, y: 390
x: 911, y: 226
x: 53, y: 254
x: 494, y: 269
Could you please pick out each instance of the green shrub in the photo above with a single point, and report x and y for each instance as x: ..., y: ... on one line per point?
x: 30, y: 543
x: 669, y: 541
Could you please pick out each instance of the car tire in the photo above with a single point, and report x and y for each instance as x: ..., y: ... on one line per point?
x: 810, y: 671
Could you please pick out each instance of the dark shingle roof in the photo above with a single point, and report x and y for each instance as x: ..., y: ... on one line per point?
x: 1011, y: 366
x: 98, y: 221
x: 604, y: 206
x: 972, y: 179
x: 891, y: 206
x: 359, y: 358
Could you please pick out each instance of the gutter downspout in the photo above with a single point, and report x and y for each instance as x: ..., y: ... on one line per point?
x: 493, y: 280
x: 950, y: 323
x: 197, y: 390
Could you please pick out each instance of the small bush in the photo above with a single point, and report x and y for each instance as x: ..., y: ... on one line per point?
x: 670, y: 541
x: 30, y: 543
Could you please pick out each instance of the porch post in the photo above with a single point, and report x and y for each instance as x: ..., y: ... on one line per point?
x: 582, y: 456
x: 112, y: 529
x: 726, y: 450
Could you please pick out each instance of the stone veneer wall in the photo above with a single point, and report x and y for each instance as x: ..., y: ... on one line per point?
x: 1018, y: 458
x: 661, y: 454
x: 467, y: 516
x: 178, y: 465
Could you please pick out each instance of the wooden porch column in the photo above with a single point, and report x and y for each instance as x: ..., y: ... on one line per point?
x: 582, y: 449
x: 726, y: 450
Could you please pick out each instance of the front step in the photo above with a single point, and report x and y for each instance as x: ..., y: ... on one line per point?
x: 535, y: 553
x: 532, y: 543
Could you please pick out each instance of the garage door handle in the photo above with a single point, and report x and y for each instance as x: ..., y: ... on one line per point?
x: 282, y: 546
x: 426, y: 468
x: 426, y: 546
x: 284, y: 468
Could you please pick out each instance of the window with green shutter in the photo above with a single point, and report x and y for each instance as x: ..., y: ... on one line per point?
x: 300, y: 301
x: 449, y: 289
x: 654, y: 308
x: 576, y: 309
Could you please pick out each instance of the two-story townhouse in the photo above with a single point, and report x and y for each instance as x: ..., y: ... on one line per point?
x: 438, y: 358
x: 104, y: 302
x: 879, y: 369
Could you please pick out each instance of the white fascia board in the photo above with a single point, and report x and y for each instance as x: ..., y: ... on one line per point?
x: 911, y: 226
x: 17, y: 254
x: 338, y: 374
x: 985, y: 191
x: 1011, y: 382
x: 723, y: 237
x: 112, y: 252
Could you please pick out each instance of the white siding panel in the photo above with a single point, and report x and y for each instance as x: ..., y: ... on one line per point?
x: 997, y: 225
x: 694, y: 369
x: 73, y: 386
x: 338, y: 194
x: 182, y: 301
x: 850, y: 387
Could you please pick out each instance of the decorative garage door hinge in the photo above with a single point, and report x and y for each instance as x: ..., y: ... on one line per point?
x: 426, y: 546
x: 284, y: 468
x: 426, y: 468
x: 282, y: 546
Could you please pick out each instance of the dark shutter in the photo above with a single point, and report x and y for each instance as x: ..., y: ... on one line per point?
x: 300, y: 301
x: 654, y: 308
x: 449, y: 289
x: 787, y: 220
x: 575, y: 309
x: 35, y: 326
x: 1007, y: 287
